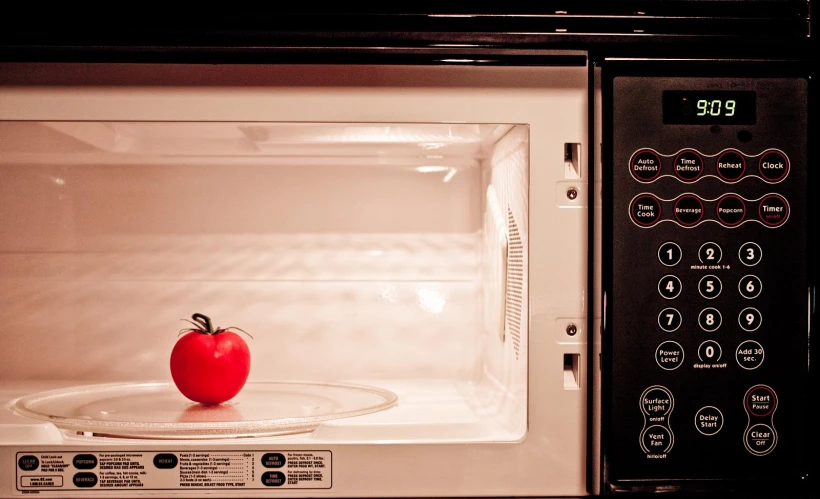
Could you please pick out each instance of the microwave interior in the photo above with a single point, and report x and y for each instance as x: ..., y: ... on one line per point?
x: 380, y: 268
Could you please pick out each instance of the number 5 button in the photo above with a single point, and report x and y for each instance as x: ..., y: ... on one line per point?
x: 669, y: 287
x: 750, y: 254
x: 750, y: 286
x: 709, y: 286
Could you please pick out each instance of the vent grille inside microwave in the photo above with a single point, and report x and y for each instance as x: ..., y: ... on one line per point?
x: 515, y: 282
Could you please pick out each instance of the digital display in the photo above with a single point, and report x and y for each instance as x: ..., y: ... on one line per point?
x: 709, y: 107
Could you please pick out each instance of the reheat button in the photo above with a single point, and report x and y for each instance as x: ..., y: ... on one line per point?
x: 773, y: 166
x: 730, y: 210
x: 645, y: 165
x: 645, y: 210
x: 688, y: 165
x: 730, y: 165
x: 688, y: 210
x: 773, y: 210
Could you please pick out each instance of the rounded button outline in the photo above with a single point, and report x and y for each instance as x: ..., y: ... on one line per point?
x: 682, y: 355
x: 663, y: 389
x: 759, y: 322
x: 702, y: 210
x: 719, y: 321
x: 742, y: 171
x: 34, y: 460
x: 675, y: 163
x: 680, y: 287
x: 785, y: 204
x: 749, y: 392
x: 667, y: 430
x: 785, y: 159
x: 762, y: 355
x: 680, y: 251
x: 721, y: 420
x: 717, y: 206
x: 720, y: 252
x: 743, y: 260
x: 740, y: 287
x: 719, y: 349
x: 632, y: 206
x: 660, y: 165
x: 748, y: 433
x: 720, y: 286
x: 680, y: 319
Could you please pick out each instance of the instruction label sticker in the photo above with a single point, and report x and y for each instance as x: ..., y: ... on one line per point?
x: 167, y: 470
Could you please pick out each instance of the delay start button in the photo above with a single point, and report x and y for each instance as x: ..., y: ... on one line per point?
x: 773, y: 210
x: 760, y: 439
x: 773, y: 166
x: 645, y: 165
x: 760, y: 401
x: 645, y: 210
x: 709, y: 420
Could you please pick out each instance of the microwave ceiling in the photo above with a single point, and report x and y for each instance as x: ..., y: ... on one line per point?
x: 455, y: 144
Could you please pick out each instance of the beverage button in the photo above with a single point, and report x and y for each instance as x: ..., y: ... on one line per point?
x: 645, y: 210
x: 760, y: 439
x: 645, y: 165
x: 749, y: 286
x: 656, y: 440
x: 669, y: 254
x: 750, y: 319
x: 749, y: 355
x: 669, y: 287
x: 669, y: 355
x: 750, y: 254
x: 710, y: 253
x: 730, y: 165
x: 773, y: 166
x: 657, y: 401
x: 710, y: 286
x: 773, y: 210
x: 709, y: 420
x: 85, y: 479
x: 760, y: 401
x: 710, y: 319
x: 669, y: 320
x: 688, y: 210
x: 730, y: 210
x: 688, y: 165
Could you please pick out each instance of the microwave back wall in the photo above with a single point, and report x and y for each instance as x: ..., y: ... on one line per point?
x: 535, y: 266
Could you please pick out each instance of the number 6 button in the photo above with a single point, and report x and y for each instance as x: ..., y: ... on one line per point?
x: 669, y: 287
x: 750, y: 286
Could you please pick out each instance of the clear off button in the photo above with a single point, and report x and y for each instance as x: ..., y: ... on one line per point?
x: 760, y: 439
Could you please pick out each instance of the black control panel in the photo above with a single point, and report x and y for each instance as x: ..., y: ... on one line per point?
x: 705, y: 275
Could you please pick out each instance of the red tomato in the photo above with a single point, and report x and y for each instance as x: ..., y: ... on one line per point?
x: 210, y: 365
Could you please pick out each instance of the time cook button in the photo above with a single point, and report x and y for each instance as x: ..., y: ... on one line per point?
x: 645, y: 165
x: 669, y: 355
x: 645, y: 210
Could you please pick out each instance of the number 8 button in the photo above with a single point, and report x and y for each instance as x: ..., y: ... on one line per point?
x: 750, y: 286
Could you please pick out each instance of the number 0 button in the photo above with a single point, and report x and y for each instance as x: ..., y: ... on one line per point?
x: 710, y: 253
x: 750, y: 286
x: 750, y: 254
x: 709, y: 319
x: 669, y: 254
x: 669, y: 287
x: 710, y: 286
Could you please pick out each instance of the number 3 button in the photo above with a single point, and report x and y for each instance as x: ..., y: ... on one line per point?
x: 750, y: 286
x: 750, y: 254
x: 669, y: 287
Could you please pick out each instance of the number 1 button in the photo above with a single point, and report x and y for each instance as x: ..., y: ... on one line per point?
x: 669, y: 254
x: 669, y: 287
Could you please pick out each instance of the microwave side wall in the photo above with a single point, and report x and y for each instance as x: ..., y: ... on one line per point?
x: 552, y: 102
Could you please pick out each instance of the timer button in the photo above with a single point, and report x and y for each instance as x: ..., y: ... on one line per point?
x: 710, y: 253
x: 730, y: 210
x: 645, y: 210
x: 773, y: 210
x: 688, y: 210
x: 730, y: 165
x: 688, y: 165
x: 669, y: 254
x: 645, y: 165
x: 773, y: 165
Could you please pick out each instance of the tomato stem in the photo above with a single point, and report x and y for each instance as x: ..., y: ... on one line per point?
x: 205, y: 322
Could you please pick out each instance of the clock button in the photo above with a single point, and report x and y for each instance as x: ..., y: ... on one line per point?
x: 730, y: 165
x: 773, y: 166
x: 710, y: 253
x: 645, y: 165
x: 750, y: 254
x: 688, y: 165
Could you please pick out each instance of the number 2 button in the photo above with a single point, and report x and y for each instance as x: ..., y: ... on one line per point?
x: 710, y: 253
x: 669, y: 287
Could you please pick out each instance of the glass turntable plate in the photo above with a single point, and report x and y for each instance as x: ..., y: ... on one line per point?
x: 158, y: 410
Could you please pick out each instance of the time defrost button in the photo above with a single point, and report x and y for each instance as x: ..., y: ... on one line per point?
x: 688, y: 165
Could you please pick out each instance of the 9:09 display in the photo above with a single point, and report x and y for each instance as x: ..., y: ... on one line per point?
x: 716, y: 107
x: 709, y: 107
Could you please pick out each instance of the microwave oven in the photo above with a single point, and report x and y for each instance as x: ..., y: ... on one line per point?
x: 550, y: 254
